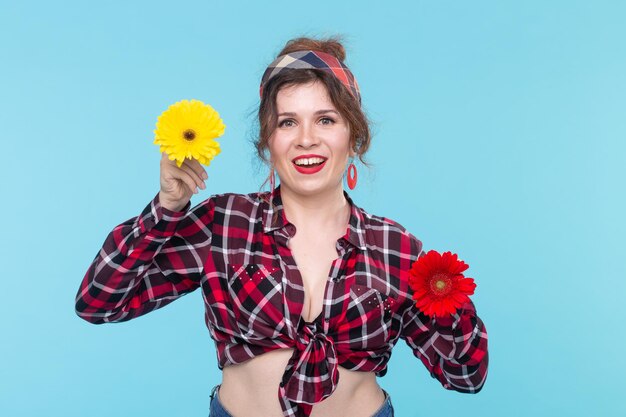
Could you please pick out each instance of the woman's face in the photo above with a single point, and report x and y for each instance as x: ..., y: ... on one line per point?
x: 310, y: 146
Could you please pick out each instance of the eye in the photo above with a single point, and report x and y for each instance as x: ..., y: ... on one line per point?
x: 282, y: 122
x: 328, y: 119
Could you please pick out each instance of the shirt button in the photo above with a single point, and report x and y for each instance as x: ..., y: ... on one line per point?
x: 327, y: 320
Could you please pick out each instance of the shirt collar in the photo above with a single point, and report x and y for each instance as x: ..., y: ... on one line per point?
x: 274, y: 218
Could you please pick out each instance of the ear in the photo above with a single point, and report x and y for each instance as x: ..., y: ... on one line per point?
x: 352, y: 153
x: 268, y: 155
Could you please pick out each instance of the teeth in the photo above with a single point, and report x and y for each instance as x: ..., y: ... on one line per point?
x: 309, y: 161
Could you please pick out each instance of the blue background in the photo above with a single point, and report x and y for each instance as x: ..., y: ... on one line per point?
x: 499, y: 132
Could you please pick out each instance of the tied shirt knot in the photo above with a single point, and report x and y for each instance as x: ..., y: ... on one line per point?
x: 311, y: 373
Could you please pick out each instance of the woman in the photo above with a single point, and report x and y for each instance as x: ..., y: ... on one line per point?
x: 305, y: 292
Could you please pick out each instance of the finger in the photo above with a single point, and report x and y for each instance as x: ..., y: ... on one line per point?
x: 171, y: 159
x: 197, y: 168
x: 187, y: 179
x: 167, y: 162
x: 200, y: 182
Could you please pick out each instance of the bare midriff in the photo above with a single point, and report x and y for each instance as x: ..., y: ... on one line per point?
x: 250, y: 389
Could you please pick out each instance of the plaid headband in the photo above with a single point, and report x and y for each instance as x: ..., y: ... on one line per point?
x: 312, y: 59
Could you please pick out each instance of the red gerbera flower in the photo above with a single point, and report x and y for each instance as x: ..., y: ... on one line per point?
x: 438, y: 283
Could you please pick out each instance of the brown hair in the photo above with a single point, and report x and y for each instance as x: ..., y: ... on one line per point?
x: 347, y: 105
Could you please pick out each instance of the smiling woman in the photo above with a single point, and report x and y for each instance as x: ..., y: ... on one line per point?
x: 316, y: 61
x: 305, y: 292
x: 311, y: 138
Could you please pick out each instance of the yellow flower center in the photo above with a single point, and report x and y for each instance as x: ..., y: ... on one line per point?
x: 440, y: 285
x: 189, y: 134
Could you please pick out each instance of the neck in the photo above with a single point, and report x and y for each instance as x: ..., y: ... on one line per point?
x: 315, y: 211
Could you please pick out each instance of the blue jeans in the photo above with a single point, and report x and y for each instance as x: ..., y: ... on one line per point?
x: 218, y: 410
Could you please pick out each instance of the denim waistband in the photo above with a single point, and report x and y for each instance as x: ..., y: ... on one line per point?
x: 216, y: 408
x: 385, y: 410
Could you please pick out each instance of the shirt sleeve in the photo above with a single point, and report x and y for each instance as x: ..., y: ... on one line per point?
x: 146, y: 263
x: 453, y: 349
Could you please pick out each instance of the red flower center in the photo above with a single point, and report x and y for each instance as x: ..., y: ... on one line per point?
x: 440, y: 284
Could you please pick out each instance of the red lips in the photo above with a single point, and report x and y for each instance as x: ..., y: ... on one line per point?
x: 309, y: 169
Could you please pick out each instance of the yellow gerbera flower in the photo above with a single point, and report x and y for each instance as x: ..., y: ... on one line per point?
x: 188, y: 129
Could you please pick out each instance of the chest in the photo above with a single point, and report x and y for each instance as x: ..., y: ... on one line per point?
x: 262, y: 283
x: 314, y: 257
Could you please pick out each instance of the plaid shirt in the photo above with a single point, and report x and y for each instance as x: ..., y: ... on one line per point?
x: 234, y: 246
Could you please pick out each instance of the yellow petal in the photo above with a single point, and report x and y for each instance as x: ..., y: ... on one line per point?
x: 189, y: 114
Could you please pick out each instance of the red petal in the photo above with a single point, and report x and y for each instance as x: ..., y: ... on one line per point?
x: 460, y: 266
x: 428, y: 311
x: 442, y: 310
x: 467, y: 285
x: 460, y: 297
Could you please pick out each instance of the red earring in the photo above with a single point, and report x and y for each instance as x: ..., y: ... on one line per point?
x: 272, y: 181
x: 352, y: 176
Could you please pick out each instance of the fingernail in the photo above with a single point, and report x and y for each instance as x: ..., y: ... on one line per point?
x: 204, y: 175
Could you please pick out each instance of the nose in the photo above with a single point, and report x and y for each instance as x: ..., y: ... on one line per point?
x: 307, y: 137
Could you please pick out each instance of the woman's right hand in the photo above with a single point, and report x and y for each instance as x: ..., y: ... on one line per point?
x: 179, y: 184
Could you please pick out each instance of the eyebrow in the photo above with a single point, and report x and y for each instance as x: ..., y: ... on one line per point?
x: 316, y: 113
